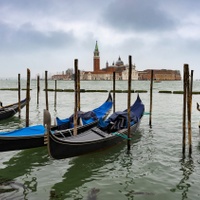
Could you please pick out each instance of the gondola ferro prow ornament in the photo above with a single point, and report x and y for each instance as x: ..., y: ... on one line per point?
x: 46, y: 124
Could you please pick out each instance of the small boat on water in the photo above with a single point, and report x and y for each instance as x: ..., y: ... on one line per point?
x: 198, y: 108
x: 33, y: 136
x: 10, y: 110
x: 108, y: 133
x: 157, y: 81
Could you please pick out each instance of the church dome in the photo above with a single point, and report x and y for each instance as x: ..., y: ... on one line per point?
x: 119, y: 62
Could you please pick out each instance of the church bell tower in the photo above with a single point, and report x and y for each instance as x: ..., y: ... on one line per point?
x: 96, y: 63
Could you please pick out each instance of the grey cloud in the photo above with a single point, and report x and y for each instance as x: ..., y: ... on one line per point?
x: 26, y: 5
x: 26, y: 38
x: 60, y: 9
x: 137, y: 15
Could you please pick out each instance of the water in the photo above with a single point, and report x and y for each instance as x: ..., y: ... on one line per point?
x: 153, y: 170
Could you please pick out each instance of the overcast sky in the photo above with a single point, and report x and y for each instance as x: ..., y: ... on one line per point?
x: 49, y: 34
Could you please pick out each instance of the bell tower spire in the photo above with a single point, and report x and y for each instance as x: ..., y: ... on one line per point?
x: 96, y: 59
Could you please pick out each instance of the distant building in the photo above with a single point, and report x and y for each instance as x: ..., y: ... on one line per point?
x: 121, y: 70
x: 160, y: 74
x: 68, y: 75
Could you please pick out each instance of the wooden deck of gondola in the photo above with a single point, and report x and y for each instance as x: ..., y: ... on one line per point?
x: 99, y: 132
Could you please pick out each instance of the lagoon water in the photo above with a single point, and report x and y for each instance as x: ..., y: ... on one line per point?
x: 153, y: 170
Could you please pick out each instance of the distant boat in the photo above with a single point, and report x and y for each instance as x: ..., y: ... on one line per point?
x: 108, y: 133
x: 11, y: 110
x: 157, y: 81
x: 198, y: 108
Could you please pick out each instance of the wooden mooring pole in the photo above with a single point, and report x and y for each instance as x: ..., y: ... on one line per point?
x: 75, y: 95
x: 113, y: 92
x: 27, y: 96
x: 19, y: 95
x: 187, y: 109
x: 38, y: 89
x: 55, y: 95
x: 78, y: 92
x: 185, y: 68
x: 129, y: 103
x: 151, y: 99
x: 46, y: 90
x: 190, y: 113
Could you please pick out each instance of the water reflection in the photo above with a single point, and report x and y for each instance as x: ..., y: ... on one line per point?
x: 11, y: 123
x: 198, y: 146
x: 87, y: 168
x: 187, y: 168
x: 126, y: 163
x: 141, y: 153
x: 82, y: 171
x: 22, y: 164
x: 11, y: 189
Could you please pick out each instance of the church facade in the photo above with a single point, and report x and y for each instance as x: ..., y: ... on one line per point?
x: 121, y: 70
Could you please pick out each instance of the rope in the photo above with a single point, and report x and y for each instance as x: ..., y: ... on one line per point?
x: 146, y: 113
x: 121, y: 135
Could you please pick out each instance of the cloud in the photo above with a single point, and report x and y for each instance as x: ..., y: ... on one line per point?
x: 137, y: 16
x: 51, y: 33
x: 27, y: 39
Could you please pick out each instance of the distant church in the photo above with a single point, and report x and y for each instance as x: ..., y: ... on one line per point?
x: 121, y: 70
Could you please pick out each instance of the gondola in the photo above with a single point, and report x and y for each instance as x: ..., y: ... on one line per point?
x: 106, y: 134
x: 11, y: 110
x: 198, y: 108
x: 33, y: 136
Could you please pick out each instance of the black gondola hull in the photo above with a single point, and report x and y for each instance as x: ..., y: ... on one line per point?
x: 107, y: 134
x: 11, y: 143
x: 20, y: 143
x: 60, y: 149
x: 9, y: 111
